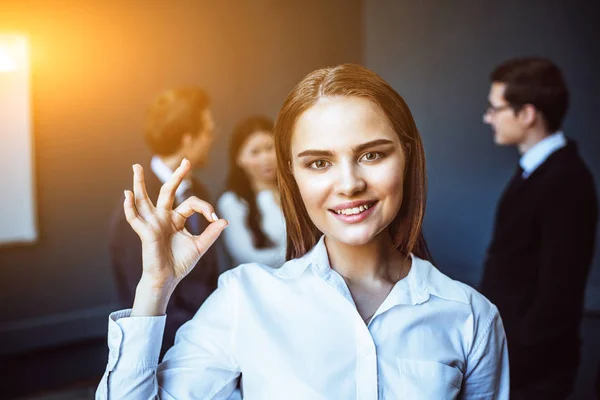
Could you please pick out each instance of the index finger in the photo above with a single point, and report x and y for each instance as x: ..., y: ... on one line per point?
x: 166, y: 197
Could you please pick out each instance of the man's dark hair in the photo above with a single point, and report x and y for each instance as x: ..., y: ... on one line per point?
x: 535, y: 81
x: 173, y: 114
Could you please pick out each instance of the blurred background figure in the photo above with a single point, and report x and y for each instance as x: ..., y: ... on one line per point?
x: 543, y: 242
x: 178, y: 125
x: 256, y: 231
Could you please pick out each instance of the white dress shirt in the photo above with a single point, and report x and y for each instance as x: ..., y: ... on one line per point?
x: 163, y: 173
x: 295, y: 333
x: 535, y: 156
x: 237, y: 236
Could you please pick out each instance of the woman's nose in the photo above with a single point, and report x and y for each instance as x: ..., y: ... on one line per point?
x: 350, y: 180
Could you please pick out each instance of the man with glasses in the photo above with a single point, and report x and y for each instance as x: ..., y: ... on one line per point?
x: 544, y: 233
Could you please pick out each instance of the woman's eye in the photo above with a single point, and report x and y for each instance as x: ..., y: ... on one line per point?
x: 319, y: 164
x: 371, y: 156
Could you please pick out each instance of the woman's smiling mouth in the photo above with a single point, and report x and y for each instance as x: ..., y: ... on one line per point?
x: 353, y: 212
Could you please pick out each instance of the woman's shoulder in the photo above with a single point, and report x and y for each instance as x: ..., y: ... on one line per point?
x: 229, y: 199
x: 266, y: 200
x: 229, y: 196
x: 442, y: 286
x: 249, y: 273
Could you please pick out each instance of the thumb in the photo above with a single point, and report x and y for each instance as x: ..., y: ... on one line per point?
x: 210, y: 234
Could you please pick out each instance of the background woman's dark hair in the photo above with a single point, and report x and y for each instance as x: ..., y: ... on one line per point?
x: 238, y: 181
x: 535, y: 81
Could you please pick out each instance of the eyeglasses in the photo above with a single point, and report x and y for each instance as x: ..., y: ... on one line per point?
x: 493, y: 110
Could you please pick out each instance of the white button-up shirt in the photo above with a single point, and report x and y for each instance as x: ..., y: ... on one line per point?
x: 163, y: 173
x: 295, y: 333
x: 535, y: 156
x: 238, y: 237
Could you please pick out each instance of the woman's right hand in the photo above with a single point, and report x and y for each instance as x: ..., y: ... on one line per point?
x: 169, y: 251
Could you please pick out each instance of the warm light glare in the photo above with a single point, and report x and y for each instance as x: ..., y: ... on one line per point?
x: 18, y: 213
x: 7, y: 63
x: 13, y: 50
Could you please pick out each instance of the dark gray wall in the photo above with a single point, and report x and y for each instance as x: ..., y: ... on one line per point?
x: 438, y: 55
x: 95, y: 67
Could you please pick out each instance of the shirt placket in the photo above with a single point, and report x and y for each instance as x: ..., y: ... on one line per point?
x: 366, y: 351
x: 366, y: 365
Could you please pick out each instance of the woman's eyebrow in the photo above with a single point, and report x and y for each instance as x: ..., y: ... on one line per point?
x: 373, y: 143
x: 356, y: 149
x: 315, y: 153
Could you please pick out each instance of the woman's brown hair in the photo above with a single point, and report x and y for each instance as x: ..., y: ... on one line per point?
x: 343, y: 81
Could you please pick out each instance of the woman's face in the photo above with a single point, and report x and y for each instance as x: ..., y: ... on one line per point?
x: 257, y: 158
x: 349, y: 166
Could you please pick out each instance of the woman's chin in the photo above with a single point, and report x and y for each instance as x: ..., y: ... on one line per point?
x: 269, y: 176
x: 353, y: 238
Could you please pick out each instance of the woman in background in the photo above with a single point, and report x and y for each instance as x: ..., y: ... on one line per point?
x: 251, y: 203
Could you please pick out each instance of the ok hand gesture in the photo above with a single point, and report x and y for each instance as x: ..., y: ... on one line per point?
x: 169, y: 251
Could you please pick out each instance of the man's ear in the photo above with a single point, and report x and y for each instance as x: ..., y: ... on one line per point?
x: 186, y: 140
x: 528, y: 114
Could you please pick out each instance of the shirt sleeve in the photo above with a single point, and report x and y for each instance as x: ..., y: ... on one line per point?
x: 487, y: 373
x: 238, y: 238
x: 201, y: 364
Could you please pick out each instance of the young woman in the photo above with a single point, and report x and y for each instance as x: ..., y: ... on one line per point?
x: 251, y: 203
x: 356, y: 313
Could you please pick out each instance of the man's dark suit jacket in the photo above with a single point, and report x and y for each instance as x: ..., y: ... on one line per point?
x: 538, y: 262
x: 126, y: 259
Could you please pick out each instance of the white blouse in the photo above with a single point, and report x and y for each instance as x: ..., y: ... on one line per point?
x: 294, y: 333
x: 237, y: 236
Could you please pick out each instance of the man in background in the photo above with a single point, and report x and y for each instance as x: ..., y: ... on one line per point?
x: 178, y: 125
x: 541, y: 251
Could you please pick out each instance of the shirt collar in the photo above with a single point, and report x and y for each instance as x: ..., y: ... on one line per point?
x: 535, y: 156
x: 422, y: 281
x: 316, y: 256
x: 163, y: 173
x: 425, y: 280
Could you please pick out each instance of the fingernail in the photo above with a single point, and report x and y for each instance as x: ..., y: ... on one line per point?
x: 182, y: 161
x: 214, y: 217
x: 125, y: 193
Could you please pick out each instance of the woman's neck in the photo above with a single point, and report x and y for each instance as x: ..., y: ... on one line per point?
x: 259, y: 186
x: 377, y: 260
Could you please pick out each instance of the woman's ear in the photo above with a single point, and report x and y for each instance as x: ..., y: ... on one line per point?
x: 290, y: 169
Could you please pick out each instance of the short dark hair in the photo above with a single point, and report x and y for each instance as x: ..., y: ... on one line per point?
x: 536, y: 81
x: 173, y: 114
